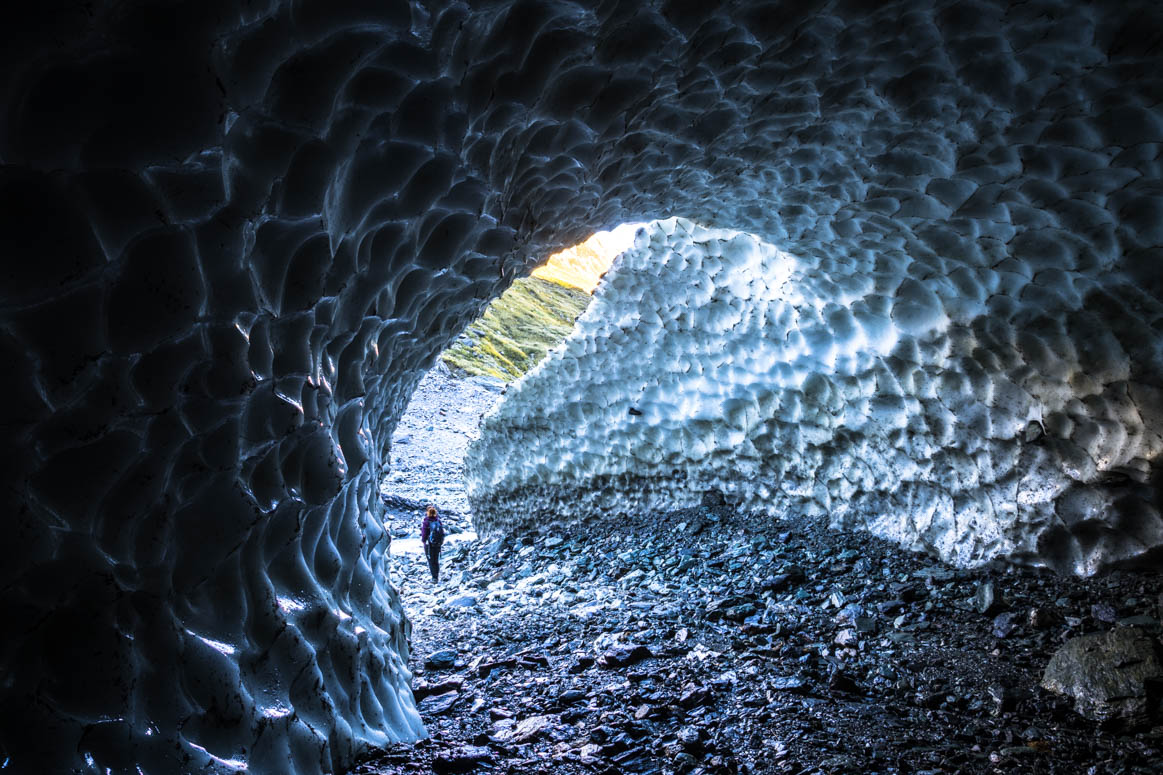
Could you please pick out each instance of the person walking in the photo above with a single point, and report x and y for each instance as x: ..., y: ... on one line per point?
x: 432, y: 536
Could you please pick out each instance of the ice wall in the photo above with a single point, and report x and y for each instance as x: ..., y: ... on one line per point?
x: 233, y: 234
x: 946, y: 415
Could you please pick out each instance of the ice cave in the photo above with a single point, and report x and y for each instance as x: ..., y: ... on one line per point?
x: 914, y: 290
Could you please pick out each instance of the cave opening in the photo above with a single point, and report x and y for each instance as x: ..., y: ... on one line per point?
x: 510, y: 338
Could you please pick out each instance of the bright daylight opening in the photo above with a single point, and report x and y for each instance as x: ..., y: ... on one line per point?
x: 512, y: 336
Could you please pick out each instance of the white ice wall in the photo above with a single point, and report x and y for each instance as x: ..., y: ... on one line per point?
x: 949, y: 414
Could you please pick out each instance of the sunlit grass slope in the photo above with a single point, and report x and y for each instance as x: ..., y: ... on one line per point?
x: 517, y: 329
x: 537, y: 312
x: 583, y: 265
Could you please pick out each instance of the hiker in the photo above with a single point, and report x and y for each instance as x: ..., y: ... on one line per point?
x: 432, y: 536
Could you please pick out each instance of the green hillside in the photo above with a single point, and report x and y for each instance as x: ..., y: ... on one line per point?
x: 517, y: 329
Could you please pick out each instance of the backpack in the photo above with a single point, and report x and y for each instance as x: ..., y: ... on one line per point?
x: 436, y: 532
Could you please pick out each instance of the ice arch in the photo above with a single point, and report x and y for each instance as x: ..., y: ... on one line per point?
x: 235, y: 233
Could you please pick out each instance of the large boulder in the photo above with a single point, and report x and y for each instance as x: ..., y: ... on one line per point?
x: 1113, y: 676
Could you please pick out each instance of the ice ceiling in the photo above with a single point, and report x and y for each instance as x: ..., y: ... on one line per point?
x: 234, y: 234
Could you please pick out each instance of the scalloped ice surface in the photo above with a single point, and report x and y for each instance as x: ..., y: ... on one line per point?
x: 236, y: 233
x: 911, y: 409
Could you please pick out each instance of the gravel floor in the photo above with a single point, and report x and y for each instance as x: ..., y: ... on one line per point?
x: 703, y: 641
x: 693, y: 642
x: 428, y: 446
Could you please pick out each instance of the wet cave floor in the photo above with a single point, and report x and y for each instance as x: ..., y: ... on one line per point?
x: 721, y: 644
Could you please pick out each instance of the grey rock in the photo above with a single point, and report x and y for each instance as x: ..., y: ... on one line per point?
x: 846, y: 637
x: 792, y: 575
x: 581, y: 664
x: 1004, y: 624
x: 738, y: 613
x: 422, y: 690
x: 494, y: 547
x: 690, y: 737
x: 462, y: 601
x: 440, y: 704
x: 466, y: 759
x: 693, y: 696
x: 1004, y: 699
x: 444, y: 659
x: 533, y: 661
x: 527, y: 730
x: 571, y: 696
x: 485, y: 668
x: 1104, y: 612
x: 624, y: 656
x: 986, y: 600
x: 1041, y: 618
x: 850, y: 613
x: 1108, y: 674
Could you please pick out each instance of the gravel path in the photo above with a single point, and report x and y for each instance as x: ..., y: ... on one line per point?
x: 428, y: 447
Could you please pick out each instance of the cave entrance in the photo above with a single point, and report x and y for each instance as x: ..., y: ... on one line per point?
x: 512, y: 336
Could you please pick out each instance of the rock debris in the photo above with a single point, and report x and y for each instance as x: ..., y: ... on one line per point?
x: 711, y: 646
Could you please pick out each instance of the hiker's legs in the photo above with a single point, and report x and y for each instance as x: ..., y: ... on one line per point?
x: 433, y: 552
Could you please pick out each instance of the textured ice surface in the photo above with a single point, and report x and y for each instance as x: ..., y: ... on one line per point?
x: 711, y: 360
x: 233, y: 235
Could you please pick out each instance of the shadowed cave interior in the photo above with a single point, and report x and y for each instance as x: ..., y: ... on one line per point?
x: 914, y: 294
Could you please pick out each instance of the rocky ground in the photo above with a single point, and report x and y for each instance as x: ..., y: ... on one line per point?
x: 703, y: 641
x: 427, y: 464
